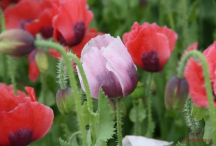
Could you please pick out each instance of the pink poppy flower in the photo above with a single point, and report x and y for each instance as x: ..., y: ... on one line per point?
x: 195, y: 78
x: 105, y: 67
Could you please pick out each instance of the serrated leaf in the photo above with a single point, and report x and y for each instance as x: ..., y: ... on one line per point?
x: 63, y: 143
x: 200, y: 113
x: 105, y: 123
x: 208, y: 131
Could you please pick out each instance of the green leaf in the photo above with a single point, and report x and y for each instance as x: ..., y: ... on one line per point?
x: 47, y: 99
x: 208, y: 132
x: 200, y: 113
x: 63, y: 143
x: 106, y: 125
x: 142, y: 113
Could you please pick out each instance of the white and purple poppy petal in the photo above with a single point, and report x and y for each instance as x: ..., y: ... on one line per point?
x: 94, y: 64
x: 121, y: 64
x: 131, y: 140
x: 98, y: 42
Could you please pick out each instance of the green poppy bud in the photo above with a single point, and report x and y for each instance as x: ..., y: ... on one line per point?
x: 176, y: 93
x: 42, y: 60
x: 65, y: 101
x: 16, y: 42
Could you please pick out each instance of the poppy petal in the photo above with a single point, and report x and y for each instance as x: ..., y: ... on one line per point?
x: 26, y: 117
x: 123, y: 67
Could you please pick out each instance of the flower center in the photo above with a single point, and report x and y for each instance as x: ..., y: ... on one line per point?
x: 22, y: 137
x: 150, y: 61
x: 46, y: 32
x: 79, y: 32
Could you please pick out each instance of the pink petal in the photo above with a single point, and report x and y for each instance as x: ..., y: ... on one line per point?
x: 94, y: 64
x: 122, y: 66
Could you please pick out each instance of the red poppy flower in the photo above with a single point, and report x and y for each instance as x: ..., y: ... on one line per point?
x: 72, y: 22
x: 22, y: 119
x: 195, y: 78
x: 150, y: 45
x: 5, y: 3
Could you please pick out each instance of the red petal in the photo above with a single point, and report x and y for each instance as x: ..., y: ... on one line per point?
x: 33, y: 68
x: 8, y: 101
x: 24, y: 10
x: 45, y: 19
x: 31, y: 115
x: 64, y: 22
x: 144, y: 39
x: 31, y: 93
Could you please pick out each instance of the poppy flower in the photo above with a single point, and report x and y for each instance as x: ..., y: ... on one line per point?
x: 195, y: 78
x: 22, y: 119
x: 104, y: 67
x: 150, y: 45
x: 72, y: 22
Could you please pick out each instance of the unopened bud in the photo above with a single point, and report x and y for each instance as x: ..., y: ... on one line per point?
x: 176, y: 93
x: 16, y: 42
x: 42, y: 60
x: 65, y: 101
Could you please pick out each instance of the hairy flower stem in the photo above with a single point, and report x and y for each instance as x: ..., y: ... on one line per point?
x: 59, y: 48
x: 12, y: 73
x: 119, y: 128
x: 150, y: 129
x: 208, y: 86
x: 185, y: 24
x: 171, y: 21
x: 43, y: 86
x: 137, y: 123
x: 85, y: 81
x: 62, y: 76
x: 4, y: 58
x: 87, y: 91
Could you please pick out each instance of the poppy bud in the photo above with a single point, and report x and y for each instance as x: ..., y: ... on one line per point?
x: 65, y: 101
x: 42, y: 61
x: 16, y: 42
x: 176, y: 93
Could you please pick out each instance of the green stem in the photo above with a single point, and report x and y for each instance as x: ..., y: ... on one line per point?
x: 85, y: 81
x: 87, y: 91
x: 118, y: 115
x: 136, y: 105
x: 73, y: 84
x: 150, y: 129
x: 3, y: 26
x: 171, y: 21
x: 43, y: 86
x: 62, y: 76
x: 4, y: 59
x: 208, y: 86
x: 12, y: 74
x: 185, y: 24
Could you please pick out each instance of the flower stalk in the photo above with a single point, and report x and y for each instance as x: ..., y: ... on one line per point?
x: 208, y: 86
x: 150, y: 129
x: 118, y: 115
x: 59, y: 48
